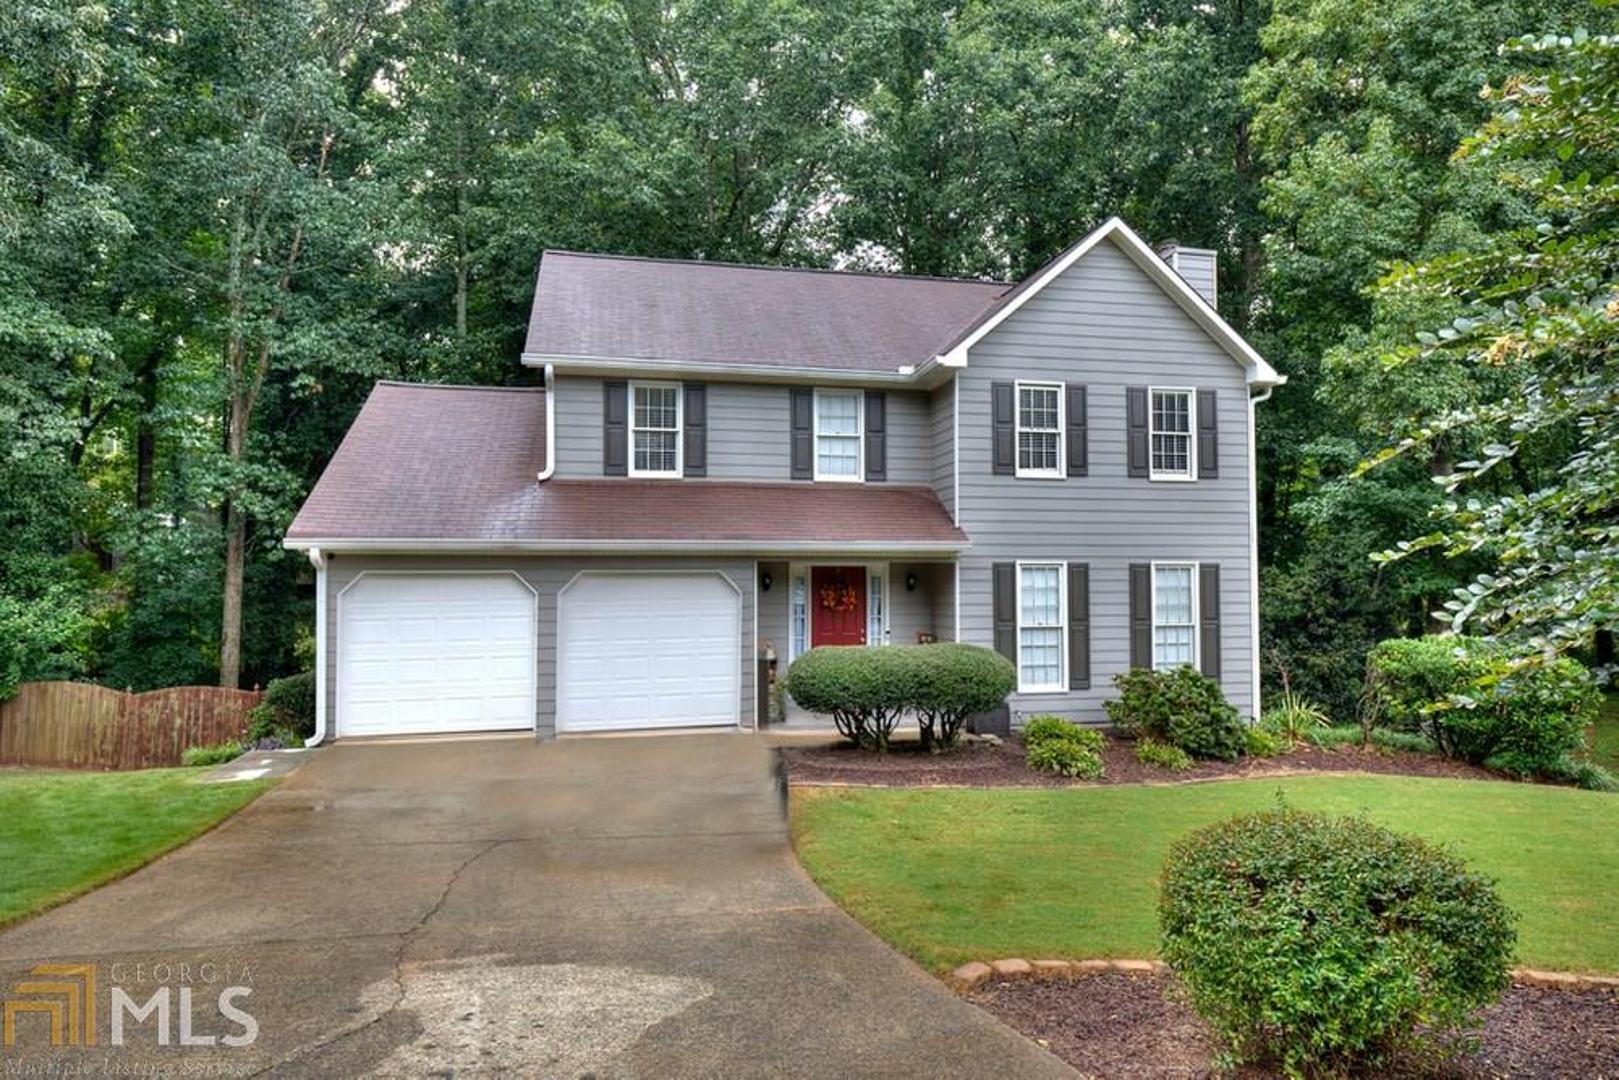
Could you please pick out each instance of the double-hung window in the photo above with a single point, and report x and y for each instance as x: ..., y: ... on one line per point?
x: 1039, y: 429
x: 655, y: 429
x: 1042, y: 626
x: 1174, y: 615
x: 838, y: 449
x: 1171, y: 433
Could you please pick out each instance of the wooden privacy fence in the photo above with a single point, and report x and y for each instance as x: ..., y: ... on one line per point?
x: 81, y: 726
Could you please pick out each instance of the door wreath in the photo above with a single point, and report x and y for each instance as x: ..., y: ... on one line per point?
x: 840, y: 598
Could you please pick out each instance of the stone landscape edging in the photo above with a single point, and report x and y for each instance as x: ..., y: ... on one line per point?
x: 970, y: 976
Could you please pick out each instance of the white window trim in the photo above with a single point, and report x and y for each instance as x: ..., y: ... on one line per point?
x: 1197, y: 611
x: 859, y: 396
x: 1060, y: 471
x: 680, y: 430
x: 1061, y: 685
x: 1190, y: 475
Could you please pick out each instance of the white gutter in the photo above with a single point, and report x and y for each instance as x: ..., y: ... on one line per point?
x: 317, y: 558
x: 1253, y: 534
x: 761, y: 548
x: 550, y: 424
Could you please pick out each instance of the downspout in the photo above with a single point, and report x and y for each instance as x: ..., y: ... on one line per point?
x: 1253, y: 538
x: 550, y: 424
x: 317, y: 559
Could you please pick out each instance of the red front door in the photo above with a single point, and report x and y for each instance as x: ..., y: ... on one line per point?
x: 838, y: 602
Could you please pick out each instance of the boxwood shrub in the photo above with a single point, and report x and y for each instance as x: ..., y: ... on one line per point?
x: 1441, y: 688
x: 1180, y: 707
x: 1325, y: 942
x: 1052, y: 744
x: 866, y: 690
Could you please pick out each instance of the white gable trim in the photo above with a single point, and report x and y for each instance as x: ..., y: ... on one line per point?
x: 1260, y: 373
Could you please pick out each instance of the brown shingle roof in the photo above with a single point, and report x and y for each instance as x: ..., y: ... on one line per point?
x: 721, y: 313
x: 459, y: 464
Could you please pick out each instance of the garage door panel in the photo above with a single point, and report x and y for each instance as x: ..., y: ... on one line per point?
x: 432, y: 653
x: 648, y: 651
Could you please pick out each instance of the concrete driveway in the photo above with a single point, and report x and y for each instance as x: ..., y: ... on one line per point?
x: 614, y: 907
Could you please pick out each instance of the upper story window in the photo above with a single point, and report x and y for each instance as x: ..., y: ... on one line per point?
x: 1174, y: 615
x: 1171, y: 434
x: 838, y: 449
x: 655, y: 429
x: 1039, y: 429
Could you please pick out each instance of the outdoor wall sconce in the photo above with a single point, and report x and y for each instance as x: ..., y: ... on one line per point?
x: 765, y: 581
x: 910, y: 581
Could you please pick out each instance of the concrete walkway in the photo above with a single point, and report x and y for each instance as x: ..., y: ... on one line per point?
x: 613, y: 908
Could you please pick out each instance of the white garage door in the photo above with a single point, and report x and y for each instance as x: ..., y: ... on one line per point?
x: 429, y: 653
x: 648, y: 651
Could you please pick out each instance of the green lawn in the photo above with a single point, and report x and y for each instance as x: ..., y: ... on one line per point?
x: 64, y: 833
x: 949, y: 876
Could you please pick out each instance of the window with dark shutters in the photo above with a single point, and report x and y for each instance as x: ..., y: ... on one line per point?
x: 695, y: 448
x: 1079, y: 626
x: 1003, y: 424
x: 1208, y: 435
x: 1137, y: 460
x: 1079, y: 458
x: 1208, y: 618
x: 1141, y: 615
x: 1004, y: 576
x: 615, y: 429
x: 876, y: 435
x: 801, y: 409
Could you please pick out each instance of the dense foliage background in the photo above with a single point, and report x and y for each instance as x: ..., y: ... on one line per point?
x: 221, y: 220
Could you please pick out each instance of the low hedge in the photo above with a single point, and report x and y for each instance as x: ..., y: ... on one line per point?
x: 1451, y: 690
x: 1326, y: 942
x: 287, y: 713
x: 1052, y: 744
x: 1180, y: 707
x: 866, y: 690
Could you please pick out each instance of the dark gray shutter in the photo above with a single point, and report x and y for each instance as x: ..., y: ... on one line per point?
x: 1005, y: 605
x: 1079, y: 447
x: 876, y: 435
x: 694, y: 417
x: 1208, y: 617
x: 1208, y: 435
x: 1137, y: 460
x: 615, y: 429
x: 1141, y: 615
x: 1003, y: 424
x: 1079, y: 626
x: 801, y: 405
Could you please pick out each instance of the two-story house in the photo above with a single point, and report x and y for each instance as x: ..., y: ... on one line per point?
x: 723, y: 457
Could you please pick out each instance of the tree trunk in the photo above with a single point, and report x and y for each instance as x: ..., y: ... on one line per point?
x: 230, y: 624
x: 145, y: 432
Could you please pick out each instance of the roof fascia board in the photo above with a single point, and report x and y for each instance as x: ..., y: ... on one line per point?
x: 628, y: 366
x: 1260, y: 373
x: 651, y: 547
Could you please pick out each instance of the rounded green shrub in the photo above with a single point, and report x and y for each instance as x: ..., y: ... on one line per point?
x: 287, y: 711
x: 950, y: 682
x: 1180, y: 707
x: 1052, y: 744
x: 1326, y: 942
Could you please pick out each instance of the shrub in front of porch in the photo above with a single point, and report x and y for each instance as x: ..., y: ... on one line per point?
x: 865, y: 691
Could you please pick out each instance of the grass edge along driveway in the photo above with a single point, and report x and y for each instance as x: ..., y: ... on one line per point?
x: 64, y: 833
x: 951, y: 875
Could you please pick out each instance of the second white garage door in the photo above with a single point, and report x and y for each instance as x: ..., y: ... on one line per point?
x: 648, y: 651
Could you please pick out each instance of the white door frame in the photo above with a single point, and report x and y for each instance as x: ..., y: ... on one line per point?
x: 794, y: 569
x: 533, y: 633
x: 741, y: 634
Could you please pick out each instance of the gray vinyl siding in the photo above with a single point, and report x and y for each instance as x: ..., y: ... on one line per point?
x: 942, y: 421
x: 747, y: 432
x: 773, y: 609
x: 1105, y: 324
x: 915, y: 611
x: 546, y: 576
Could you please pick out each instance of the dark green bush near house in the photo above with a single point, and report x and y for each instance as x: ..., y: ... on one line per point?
x: 1527, y: 722
x: 1259, y: 742
x: 1052, y: 744
x: 1150, y: 751
x: 1182, y: 708
x: 951, y: 682
x: 211, y: 755
x: 287, y: 712
x: 1325, y: 942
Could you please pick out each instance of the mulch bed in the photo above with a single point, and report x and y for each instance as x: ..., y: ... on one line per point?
x: 1134, y: 1025
x: 988, y: 765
